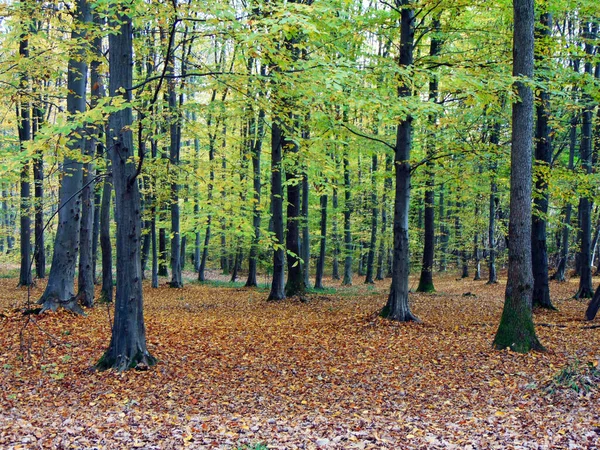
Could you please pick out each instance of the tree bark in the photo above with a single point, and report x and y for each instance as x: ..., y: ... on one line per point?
x: 516, y: 329
x: 38, y: 181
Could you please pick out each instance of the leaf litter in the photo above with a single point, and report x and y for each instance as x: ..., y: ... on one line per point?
x: 236, y: 371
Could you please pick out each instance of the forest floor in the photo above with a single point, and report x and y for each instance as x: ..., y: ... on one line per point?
x: 237, y: 372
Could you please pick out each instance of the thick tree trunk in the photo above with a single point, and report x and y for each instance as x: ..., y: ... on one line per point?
x: 295, y: 282
x: 278, y: 281
x: 397, y: 307
x: 543, y: 158
x: 127, y: 347
x: 60, y: 290
x: 322, y: 243
x: 374, y: 214
x: 516, y: 329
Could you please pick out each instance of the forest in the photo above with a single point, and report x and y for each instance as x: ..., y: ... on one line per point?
x: 261, y: 224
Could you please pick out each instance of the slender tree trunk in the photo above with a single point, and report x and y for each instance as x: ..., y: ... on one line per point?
x: 85, y: 280
x: 305, y: 248
x: 174, y: 151
x: 374, y: 214
x: 127, y: 348
x: 335, y: 268
x: 397, y: 307
x: 384, y: 216
x: 444, y: 232
x: 347, y: 281
x: 516, y: 329
x: 257, y: 132
x: 322, y: 243
x: 38, y: 180
x: 543, y: 158
x: 106, y: 292
x: 207, y: 235
x: 24, y: 129
x: 585, y: 207
x: 494, y: 200
x: 60, y: 290
x: 426, y: 279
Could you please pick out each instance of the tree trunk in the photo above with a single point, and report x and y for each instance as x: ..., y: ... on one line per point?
x: 277, y: 283
x: 305, y: 247
x: 60, y: 290
x: 174, y: 151
x: 257, y: 131
x: 335, y: 266
x: 106, y: 292
x: 444, y: 232
x: 516, y: 329
x: 494, y: 140
x: 127, y: 347
x: 374, y: 214
x: 163, y: 271
x: 85, y: 280
x: 397, y: 307
x: 585, y: 207
x: 347, y: 281
x: 322, y: 243
x: 24, y: 129
x: 384, y: 216
x: 543, y: 158
x: 38, y: 181
x: 209, y: 201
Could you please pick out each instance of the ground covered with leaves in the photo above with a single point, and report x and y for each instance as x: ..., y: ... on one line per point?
x: 236, y: 371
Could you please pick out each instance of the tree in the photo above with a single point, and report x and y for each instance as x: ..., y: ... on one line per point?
x: 397, y: 307
x: 24, y: 128
x: 585, y: 207
x: 543, y: 158
x: 516, y: 329
x: 59, y: 290
x: 127, y: 348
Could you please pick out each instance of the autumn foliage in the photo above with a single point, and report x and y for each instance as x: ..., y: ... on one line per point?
x: 236, y: 371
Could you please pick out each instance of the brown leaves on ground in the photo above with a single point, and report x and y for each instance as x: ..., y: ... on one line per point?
x: 236, y: 371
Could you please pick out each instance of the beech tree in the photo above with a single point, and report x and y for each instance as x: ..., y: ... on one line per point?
x: 516, y: 329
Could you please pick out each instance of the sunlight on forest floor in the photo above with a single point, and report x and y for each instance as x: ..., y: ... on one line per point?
x: 235, y: 371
